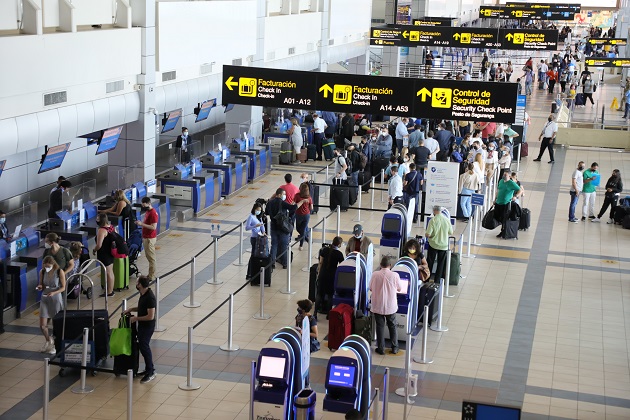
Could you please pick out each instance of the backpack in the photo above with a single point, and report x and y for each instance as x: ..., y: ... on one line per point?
x: 348, y: 164
x: 363, y: 160
x: 119, y: 246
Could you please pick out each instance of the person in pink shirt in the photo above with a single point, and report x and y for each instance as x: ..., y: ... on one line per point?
x: 487, y: 129
x: 385, y: 284
x: 289, y: 188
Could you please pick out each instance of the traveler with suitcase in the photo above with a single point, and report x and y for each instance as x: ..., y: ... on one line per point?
x: 149, y: 233
x: 412, y: 187
x: 614, y: 187
x: 329, y: 258
x: 319, y: 126
x: 508, y: 191
x: 438, y: 232
x: 146, y: 325
x: 258, y: 239
x: 103, y: 251
x: 304, y: 309
x: 385, y: 284
x: 281, y: 214
x: 303, y: 213
x: 52, y: 283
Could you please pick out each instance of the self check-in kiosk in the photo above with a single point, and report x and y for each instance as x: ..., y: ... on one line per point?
x: 395, y: 228
x: 407, y: 298
x: 351, y: 285
x: 242, y: 147
x: 190, y: 186
x: 348, y: 378
x: 278, y: 375
x: 214, y: 160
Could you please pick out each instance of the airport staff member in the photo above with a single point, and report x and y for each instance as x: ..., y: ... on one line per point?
x: 385, y: 284
x: 4, y: 229
x: 319, y: 126
x: 56, y: 199
x: 149, y: 233
x: 146, y: 325
x: 182, y: 143
x: 438, y: 232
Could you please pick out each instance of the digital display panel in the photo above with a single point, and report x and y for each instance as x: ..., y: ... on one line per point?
x: 346, y: 280
x: 205, y: 109
x: 109, y: 140
x: 391, y: 225
x: 172, y: 120
x: 272, y: 367
x: 54, y: 157
x: 341, y: 375
x: 404, y: 287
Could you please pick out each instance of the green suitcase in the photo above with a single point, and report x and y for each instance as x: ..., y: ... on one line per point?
x: 455, y: 269
x: 121, y: 273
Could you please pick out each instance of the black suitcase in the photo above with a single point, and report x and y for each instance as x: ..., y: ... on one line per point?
x: 76, y: 320
x: 315, y: 196
x: 311, y: 152
x: 554, y: 107
x: 511, y: 228
x: 257, y: 263
x: 354, y: 193
x: 365, y: 180
x: 123, y: 362
x: 620, y: 213
x: 339, y: 196
x: 377, y: 165
x: 286, y: 153
x: 526, y: 219
x: 427, y: 292
x: 312, y: 283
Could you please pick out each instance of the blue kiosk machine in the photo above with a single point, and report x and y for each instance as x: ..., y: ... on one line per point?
x: 352, y: 281
x: 407, y: 317
x: 258, y: 157
x: 234, y: 175
x: 348, y: 379
x: 191, y: 186
x: 395, y: 229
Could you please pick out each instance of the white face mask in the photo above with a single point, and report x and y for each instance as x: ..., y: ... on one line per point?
x: 358, y: 236
x: 48, y: 269
x: 284, y: 197
x: 185, y: 134
x: 303, y: 180
x: 47, y: 245
x: 3, y: 219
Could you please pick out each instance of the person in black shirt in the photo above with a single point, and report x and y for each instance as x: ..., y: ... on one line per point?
x: 411, y: 188
x: 420, y: 156
x: 56, y: 199
x: 279, y: 238
x: 146, y: 325
x: 4, y: 229
x: 329, y: 259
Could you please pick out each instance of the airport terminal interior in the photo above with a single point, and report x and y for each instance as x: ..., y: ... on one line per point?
x: 537, y: 327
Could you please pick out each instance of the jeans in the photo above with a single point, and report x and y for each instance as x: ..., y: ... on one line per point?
x: 149, y: 252
x: 279, y: 243
x: 440, y: 270
x: 466, y: 203
x: 609, y: 201
x: 318, y: 139
x: 626, y: 114
x: 380, y: 330
x: 574, y: 201
x: 407, y: 198
x: 528, y: 88
x: 144, y: 339
x: 301, y: 225
x: 399, y: 145
x: 588, y: 207
x: 547, y: 143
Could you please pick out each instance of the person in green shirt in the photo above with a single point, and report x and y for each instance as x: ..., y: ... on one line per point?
x: 591, y: 181
x: 508, y: 191
x: 437, y: 233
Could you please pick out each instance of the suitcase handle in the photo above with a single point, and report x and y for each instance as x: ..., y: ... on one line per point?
x: 454, y: 242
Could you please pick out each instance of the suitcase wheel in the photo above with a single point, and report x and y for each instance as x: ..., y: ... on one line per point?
x: 62, y: 373
x: 93, y: 372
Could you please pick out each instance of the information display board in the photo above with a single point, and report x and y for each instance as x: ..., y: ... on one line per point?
x: 435, y: 21
x: 411, y: 36
x: 608, y: 41
x: 442, y: 180
x: 475, y: 38
x: 528, y: 11
x: 607, y: 62
x: 449, y: 99
x: 528, y: 39
x: 54, y: 157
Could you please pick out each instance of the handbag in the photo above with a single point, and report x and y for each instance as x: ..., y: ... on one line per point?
x: 489, y: 222
x: 261, y: 247
x: 120, y: 339
x: 424, y: 271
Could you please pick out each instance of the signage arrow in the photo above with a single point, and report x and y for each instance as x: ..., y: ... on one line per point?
x: 424, y: 92
x: 326, y: 89
x: 405, y: 34
x: 509, y: 37
x: 229, y: 83
x: 590, y: 62
x: 513, y: 12
x: 457, y: 36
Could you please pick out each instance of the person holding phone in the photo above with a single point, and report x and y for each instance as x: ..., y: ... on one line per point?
x: 52, y: 283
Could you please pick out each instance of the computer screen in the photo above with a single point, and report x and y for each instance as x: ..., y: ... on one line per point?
x: 272, y: 367
x: 404, y: 287
x: 54, y: 157
x: 480, y: 411
x: 346, y: 280
x: 341, y: 375
x: 2, y: 163
x: 109, y: 140
x: 228, y: 107
x: 205, y: 109
x: 391, y: 225
x: 171, y: 121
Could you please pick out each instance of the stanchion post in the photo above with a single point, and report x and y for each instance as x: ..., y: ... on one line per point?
x: 469, y: 243
x: 338, y: 220
x: 439, y: 327
x: 158, y: 327
x: 323, y: 230
x: 375, y: 407
x: 288, y: 290
x: 83, y: 388
x: 386, y: 394
x: 382, y: 184
x: 358, y: 218
x: 404, y: 391
x: 326, y: 182
x: 262, y: 315
x: 476, y: 225
x: 372, y: 199
x: 448, y: 271
x: 241, y: 230
x: 191, y: 301
x: 229, y: 346
x: 129, y: 394
x: 189, y: 385
x: 215, y: 265
x: 423, y: 359
x: 46, y: 388
x: 310, y: 251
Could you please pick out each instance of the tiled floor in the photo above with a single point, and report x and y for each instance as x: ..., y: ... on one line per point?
x: 542, y: 322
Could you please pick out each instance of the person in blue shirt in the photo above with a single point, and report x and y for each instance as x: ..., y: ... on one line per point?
x: 626, y: 114
x: 384, y: 144
x: 255, y: 224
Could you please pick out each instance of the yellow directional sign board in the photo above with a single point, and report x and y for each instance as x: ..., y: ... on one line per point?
x: 608, y: 41
x: 449, y: 99
x: 410, y: 36
x: 528, y: 39
x: 607, y: 62
x: 475, y: 38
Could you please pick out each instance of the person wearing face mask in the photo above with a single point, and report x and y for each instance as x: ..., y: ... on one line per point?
x: 52, y: 283
x: 329, y: 258
x: 384, y: 144
x: 548, y: 139
x: 614, y: 187
x: 303, y: 178
x: 491, y: 162
x: 256, y: 225
x: 359, y: 242
x: 279, y: 238
x: 413, y: 250
x: 384, y: 286
x: 4, y: 229
x: 432, y: 144
x: 588, y: 88
x: 304, y: 309
x: 63, y: 257
x: 577, y: 183
x: 507, y: 192
x: 56, y: 199
x: 146, y: 325
x: 437, y: 233
x: 149, y: 224
x: 181, y: 144
x: 103, y: 251
x: 365, y: 146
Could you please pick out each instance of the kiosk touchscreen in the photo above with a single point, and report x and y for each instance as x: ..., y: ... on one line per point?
x: 342, y: 381
x: 404, y: 287
x: 273, y: 382
x: 272, y: 367
x: 341, y: 376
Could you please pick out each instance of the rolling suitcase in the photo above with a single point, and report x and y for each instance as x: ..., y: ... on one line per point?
x: 511, y: 229
x: 339, y: 325
x: 75, y: 321
x: 455, y: 270
x: 123, y: 363
x: 312, y: 283
x: 541, y: 85
x: 524, y: 150
x: 363, y: 327
x: 329, y: 147
x: 311, y: 152
x: 525, y: 220
x: 353, y: 194
x: 428, y: 292
x: 121, y: 273
x: 579, y: 99
x: 378, y: 164
x: 365, y: 180
x: 315, y: 196
x: 339, y: 196
x: 286, y: 153
x: 257, y: 263
x: 620, y: 213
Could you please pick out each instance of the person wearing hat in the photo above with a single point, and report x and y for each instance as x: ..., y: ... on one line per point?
x: 359, y: 242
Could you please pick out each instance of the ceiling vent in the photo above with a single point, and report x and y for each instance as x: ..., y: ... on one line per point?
x: 169, y: 75
x: 55, y: 98
x: 114, y: 86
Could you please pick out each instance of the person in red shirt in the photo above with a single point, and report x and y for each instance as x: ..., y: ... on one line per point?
x: 487, y: 129
x: 290, y: 189
x: 149, y: 233
x: 552, y: 78
x: 303, y: 213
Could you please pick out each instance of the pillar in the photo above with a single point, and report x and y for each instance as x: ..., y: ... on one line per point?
x: 359, y: 65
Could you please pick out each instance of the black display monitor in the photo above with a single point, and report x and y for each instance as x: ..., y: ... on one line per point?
x: 228, y: 107
x: 341, y: 376
x: 204, y: 110
x: 482, y: 411
x: 53, y: 158
x: 171, y: 121
x: 391, y: 225
x: 109, y: 140
x: 346, y: 280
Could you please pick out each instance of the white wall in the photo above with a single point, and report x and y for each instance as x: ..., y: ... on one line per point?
x: 86, y: 12
x: 349, y: 18
x: 303, y: 28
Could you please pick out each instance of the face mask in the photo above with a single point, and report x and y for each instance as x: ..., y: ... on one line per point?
x: 137, y: 287
x: 300, y: 311
x: 48, y: 269
x: 257, y: 212
x: 185, y: 134
x: 284, y: 197
x: 549, y: 119
x: 303, y: 180
x: 491, y: 148
x: 412, y: 251
x: 47, y: 245
x: 358, y: 236
x: 406, y: 159
x: 3, y: 219
x: 580, y: 168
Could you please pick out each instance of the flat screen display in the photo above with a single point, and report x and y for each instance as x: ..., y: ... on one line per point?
x: 109, y: 140
x: 172, y: 120
x: 480, y: 411
x: 391, y: 225
x: 341, y: 375
x: 228, y: 107
x: 272, y: 367
x: 346, y: 280
x: 205, y: 109
x: 54, y: 158
x: 2, y: 163
x: 404, y: 287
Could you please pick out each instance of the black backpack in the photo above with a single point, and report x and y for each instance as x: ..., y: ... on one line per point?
x: 119, y: 246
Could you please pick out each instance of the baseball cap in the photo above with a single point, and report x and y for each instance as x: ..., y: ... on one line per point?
x: 357, y: 229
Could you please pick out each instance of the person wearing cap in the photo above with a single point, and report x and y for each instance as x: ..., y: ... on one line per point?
x: 438, y: 231
x: 384, y: 143
x: 359, y: 242
x: 319, y: 126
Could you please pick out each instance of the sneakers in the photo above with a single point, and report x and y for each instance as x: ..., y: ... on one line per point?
x: 108, y: 295
x: 301, y: 248
x: 148, y: 378
x: 380, y: 351
x: 574, y: 221
x: 610, y: 222
x: 46, y: 347
x: 583, y: 218
x: 596, y: 220
x: 51, y: 347
x: 536, y: 160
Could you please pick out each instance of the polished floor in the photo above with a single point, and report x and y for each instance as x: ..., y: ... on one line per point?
x: 540, y: 322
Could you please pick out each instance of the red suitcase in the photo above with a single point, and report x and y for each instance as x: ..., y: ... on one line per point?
x: 524, y: 149
x: 339, y: 325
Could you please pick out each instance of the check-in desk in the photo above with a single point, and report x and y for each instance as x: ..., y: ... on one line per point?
x: 162, y: 204
x: 197, y: 190
x: 213, y: 160
x: 241, y: 166
x: 264, y: 150
x: 257, y: 157
x: 23, y: 270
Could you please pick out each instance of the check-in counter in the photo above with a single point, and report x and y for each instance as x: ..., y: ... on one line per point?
x: 162, y: 204
x: 213, y: 160
x: 241, y: 166
x: 23, y: 270
x: 197, y: 189
x: 264, y: 150
x: 238, y: 147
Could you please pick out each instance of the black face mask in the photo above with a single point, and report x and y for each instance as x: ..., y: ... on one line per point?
x: 580, y: 168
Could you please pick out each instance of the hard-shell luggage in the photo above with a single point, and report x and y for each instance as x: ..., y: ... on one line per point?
x: 311, y: 151
x: 579, y: 99
x: 524, y: 149
x: 302, y: 157
x: 286, y: 153
x: 123, y: 363
x: 76, y: 320
x: 625, y: 223
x: 365, y: 180
x: 315, y: 196
x: 312, y: 283
x: 363, y: 327
x: 525, y: 220
x: 511, y: 228
x: 455, y: 269
x: 257, y: 264
x: 541, y: 85
x: 427, y: 292
x: 379, y: 164
x: 620, y: 213
x: 554, y: 107
x: 353, y: 194
x: 121, y: 273
x: 339, y: 196
x: 329, y: 148
x: 339, y: 325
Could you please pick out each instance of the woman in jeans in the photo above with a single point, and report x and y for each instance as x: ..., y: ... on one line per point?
x: 303, y: 213
x: 468, y: 184
x: 255, y: 224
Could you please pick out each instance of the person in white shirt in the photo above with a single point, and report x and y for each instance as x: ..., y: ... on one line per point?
x: 491, y: 162
x: 401, y: 134
x: 479, y: 169
x: 477, y: 150
x: 548, y: 137
x: 432, y: 144
x: 319, y: 126
x: 384, y: 285
x: 577, y: 183
x: 395, y: 188
x: 467, y: 76
x: 506, y: 158
x: 340, y: 165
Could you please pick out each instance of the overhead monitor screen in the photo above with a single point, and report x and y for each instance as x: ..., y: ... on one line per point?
x: 404, y: 286
x: 109, y: 140
x: 172, y: 120
x: 228, y: 107
x: 205, y: 109
x: 54, y: 158
x: 346, y: 280
x: 341, y: 375
x: 391, y: 225
x: 272, y: 367
x: 2, y: 163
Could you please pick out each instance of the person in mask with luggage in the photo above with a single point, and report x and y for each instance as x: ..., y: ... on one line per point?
x: 103, y: 251
x: 438, y: 231
x: 52, y: 283
x: 256, y: 225
x: 329, y: 258
x: 508, y: 191
x: 279, y: 237
x: 614, y: 187
x: 304, y: 309
x: 359, y: 242
x: 413, y: 250
x: 340, y: 166
x: 385, y: 284
x: 384, y: 144
x: 62, y: 256
x: 145, y: 317
x: 149, y: 222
